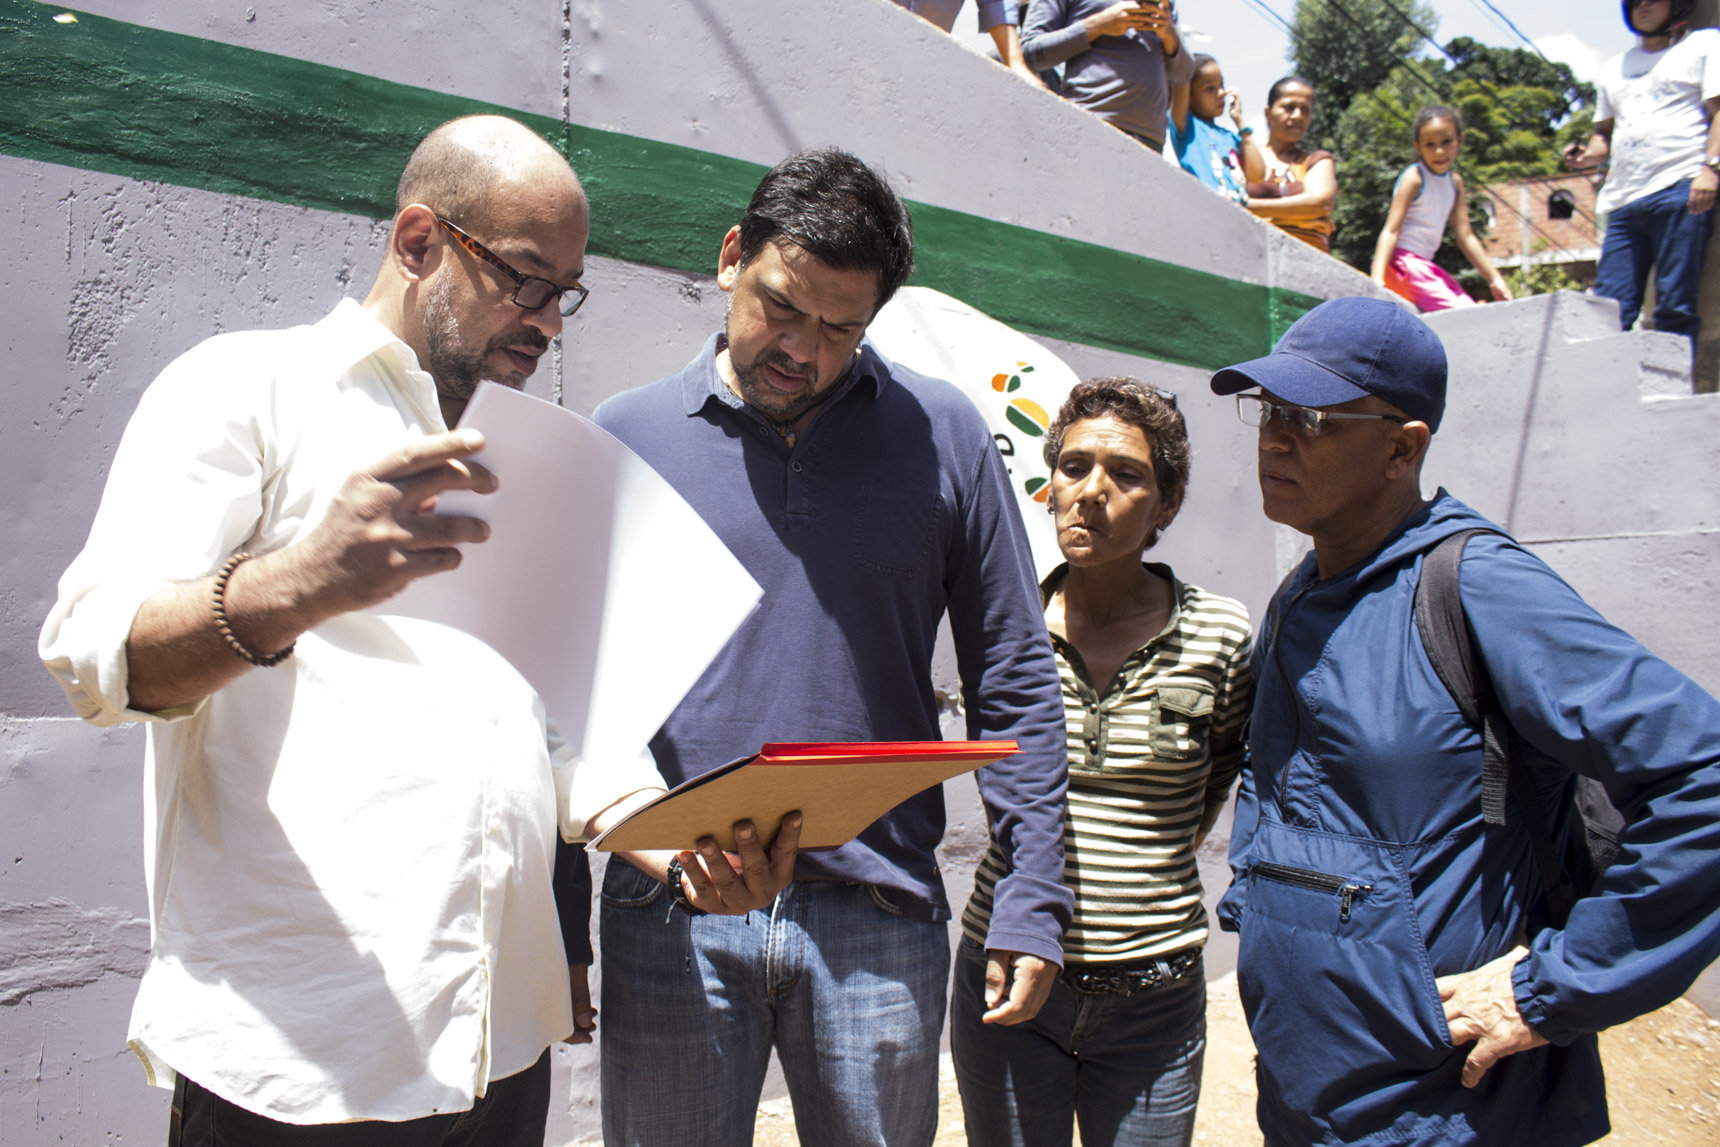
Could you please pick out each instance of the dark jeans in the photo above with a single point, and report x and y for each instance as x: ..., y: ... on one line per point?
x: 1126, y: 1068
x: 1658, y: 233
x: 511, y: 1114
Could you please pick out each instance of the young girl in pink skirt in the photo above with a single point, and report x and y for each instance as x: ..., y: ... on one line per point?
x: 1429, y: 195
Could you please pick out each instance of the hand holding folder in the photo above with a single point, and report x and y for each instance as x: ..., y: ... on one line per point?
x: 840, y: 788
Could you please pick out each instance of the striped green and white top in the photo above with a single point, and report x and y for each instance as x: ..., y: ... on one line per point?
x: 1150, y: 764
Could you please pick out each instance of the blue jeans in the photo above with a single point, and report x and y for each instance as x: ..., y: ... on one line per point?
x: 1127, y: 1067
x: 850, y: 992
x: 1655, y: 232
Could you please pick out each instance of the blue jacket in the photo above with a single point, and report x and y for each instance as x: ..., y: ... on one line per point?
x: 1364, y: 870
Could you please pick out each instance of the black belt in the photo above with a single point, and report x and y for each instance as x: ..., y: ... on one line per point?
x: 1126, y: 979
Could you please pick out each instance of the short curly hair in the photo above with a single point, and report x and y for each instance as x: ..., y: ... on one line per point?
x: 1141, y: 405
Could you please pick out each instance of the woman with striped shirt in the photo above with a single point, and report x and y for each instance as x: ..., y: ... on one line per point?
x: 1156, y: 687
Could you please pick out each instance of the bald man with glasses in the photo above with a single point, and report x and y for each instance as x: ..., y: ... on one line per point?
x: 1406, y: 974
x: 353, y: 815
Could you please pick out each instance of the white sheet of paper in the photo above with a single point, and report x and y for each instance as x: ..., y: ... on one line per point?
x: 599, y: 583
x: 1017, y: 384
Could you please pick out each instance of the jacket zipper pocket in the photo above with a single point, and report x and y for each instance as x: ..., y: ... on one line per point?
x: 1347, y: 891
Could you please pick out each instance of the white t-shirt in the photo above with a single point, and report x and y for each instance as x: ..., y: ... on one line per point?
x: 1660, y: 127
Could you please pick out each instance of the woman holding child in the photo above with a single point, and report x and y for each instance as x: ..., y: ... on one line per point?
x: 1156, y: 686
x: 1301, y: 185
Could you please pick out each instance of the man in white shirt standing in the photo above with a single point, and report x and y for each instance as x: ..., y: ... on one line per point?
x: 1656, y: 123
x: 350, y: 817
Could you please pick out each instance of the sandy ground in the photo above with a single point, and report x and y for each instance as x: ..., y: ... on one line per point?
x: 1663, y: 1082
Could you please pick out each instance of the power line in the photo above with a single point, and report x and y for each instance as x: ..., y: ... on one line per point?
x: 1497, y: 24
x: 1422, y: 32
x: 1518, y: 32
x: 1261, y: 6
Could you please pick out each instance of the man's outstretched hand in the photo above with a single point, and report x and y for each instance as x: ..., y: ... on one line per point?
x: 381, y: 531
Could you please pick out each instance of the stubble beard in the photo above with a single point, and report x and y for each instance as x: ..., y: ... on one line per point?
x: 456, y: 366
x: 759, y: 395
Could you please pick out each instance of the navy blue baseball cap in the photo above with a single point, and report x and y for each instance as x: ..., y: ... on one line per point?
x: 1346, y: 349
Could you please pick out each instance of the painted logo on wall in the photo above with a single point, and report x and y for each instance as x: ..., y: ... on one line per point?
x: 1026, y: 416
x: 1016, y: 384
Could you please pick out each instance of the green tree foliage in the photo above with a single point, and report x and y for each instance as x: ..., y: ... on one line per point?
x: 1519, y: 110
x: 1347, y: 47
x: 1516, y: 68
x: 1372, y: 71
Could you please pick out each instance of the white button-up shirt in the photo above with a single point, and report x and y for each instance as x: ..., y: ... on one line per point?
x: 348, y: 856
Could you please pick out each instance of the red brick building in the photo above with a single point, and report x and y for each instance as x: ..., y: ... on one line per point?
x: 1546, y: 220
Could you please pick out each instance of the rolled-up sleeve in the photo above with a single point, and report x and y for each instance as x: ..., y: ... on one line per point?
x: 184, y: 492
x: 585, y: 788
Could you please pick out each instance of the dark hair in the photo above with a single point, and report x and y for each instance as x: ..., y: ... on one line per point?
x: 1278, y: 88
x: 1153, y: 411
x: 836, y: 209
x: 1428, y: 115
x: 1201, y: 60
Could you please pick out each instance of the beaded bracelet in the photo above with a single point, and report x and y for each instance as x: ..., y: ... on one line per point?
x: 226, y: 629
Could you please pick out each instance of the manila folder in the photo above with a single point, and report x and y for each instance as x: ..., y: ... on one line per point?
x: 840, y: 788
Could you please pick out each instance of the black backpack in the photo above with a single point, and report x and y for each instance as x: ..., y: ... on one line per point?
x: 1450, y: 645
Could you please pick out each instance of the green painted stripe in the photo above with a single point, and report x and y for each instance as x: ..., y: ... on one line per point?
x: 152, y: 105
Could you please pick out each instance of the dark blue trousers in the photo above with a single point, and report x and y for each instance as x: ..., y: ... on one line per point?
x: 1658, y: 233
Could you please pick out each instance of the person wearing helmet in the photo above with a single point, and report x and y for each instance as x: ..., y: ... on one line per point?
x: 1655, y: 126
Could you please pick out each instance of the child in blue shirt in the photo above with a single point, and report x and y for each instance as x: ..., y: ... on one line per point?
x: 1224, y: 159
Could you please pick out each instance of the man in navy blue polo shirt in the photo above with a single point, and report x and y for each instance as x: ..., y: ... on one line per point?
x: 869, y: 502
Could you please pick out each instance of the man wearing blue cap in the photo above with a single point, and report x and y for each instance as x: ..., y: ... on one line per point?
x: 1401, y: 975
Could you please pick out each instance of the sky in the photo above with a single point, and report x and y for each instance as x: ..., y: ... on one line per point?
x: 1251, y: 47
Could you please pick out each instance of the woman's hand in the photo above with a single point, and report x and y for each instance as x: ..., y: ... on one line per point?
x: 1119, y: 20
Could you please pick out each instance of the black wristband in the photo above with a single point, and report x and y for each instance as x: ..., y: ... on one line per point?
x: 673, y: 879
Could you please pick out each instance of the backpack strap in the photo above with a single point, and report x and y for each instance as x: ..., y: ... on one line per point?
x: 1450, y: 645
x: 1444, y: 629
